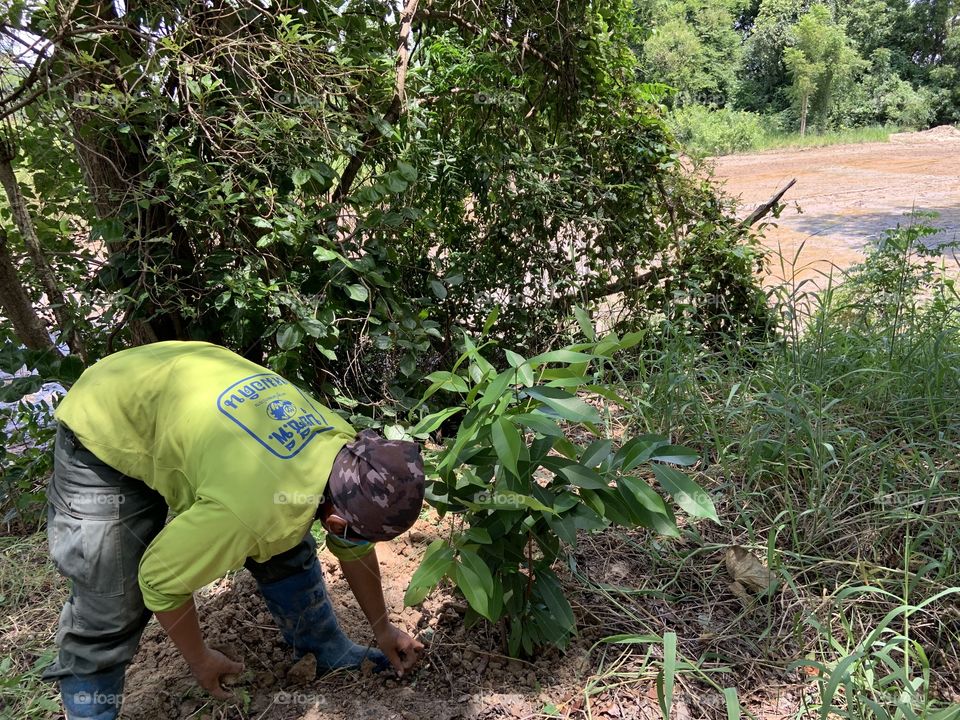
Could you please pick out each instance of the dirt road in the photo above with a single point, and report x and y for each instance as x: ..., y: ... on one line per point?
x: 848, y: 195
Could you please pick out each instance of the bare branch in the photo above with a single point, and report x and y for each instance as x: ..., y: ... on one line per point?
x: 762, y: 211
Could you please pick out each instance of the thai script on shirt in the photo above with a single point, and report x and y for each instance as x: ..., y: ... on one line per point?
x: 274, y: 412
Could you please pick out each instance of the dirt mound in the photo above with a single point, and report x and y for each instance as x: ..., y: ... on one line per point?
x: 941, y: 133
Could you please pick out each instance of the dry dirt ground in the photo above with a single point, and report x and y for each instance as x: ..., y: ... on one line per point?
x: 848, y: 195
x: 464, y: 675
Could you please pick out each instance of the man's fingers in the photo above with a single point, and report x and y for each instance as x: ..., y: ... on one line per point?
x: 219, y: 693
x: 394, y: 657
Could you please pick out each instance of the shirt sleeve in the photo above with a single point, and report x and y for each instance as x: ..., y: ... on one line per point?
x: 195, y: 548
x: 345, y: 552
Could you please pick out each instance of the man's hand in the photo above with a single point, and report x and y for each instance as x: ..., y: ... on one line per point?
x: 401, y: 650
x: 210, y: 668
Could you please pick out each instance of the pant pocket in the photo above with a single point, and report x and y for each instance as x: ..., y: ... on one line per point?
x: 87, y: 551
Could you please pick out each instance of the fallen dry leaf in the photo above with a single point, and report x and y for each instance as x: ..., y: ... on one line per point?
x: 747, y: 571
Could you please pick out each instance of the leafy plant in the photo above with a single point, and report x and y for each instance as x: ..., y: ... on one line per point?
x: 26, y: 427
x: 530, y: 465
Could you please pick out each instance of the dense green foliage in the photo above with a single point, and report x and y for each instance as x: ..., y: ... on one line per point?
x: 850, y: 64
x: 288, y: 184
x: 382, y: 225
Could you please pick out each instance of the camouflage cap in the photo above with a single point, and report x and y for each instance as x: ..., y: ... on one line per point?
x: 377, y: 485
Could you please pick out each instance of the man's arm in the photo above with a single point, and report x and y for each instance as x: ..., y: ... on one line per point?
x: 207, y: 665
x: 363, y: 576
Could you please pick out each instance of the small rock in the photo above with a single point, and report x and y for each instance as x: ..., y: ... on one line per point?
x: 304, y: 671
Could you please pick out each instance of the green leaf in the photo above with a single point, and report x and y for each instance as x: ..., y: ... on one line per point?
x: 549, y: 589
x: 446, y: 380
x: 637, y: 451
x: 629, y: 639
x: 437, y: 288
x: 586, y: 326
x: 301, y: 177
x: 564, y: 501
x: 687, y: 494
x: 560, y: 356
x: 491, y: 319
x: 567, y: 406
x: 564, y: 528
x: 478, y: 535
x: 666, y: 678
x: 675, y: 454
x: 496, y: 388
x: 596, y: 453
x: 506, y: 442
x: 514, y: 359
x: 644, y: 494
x: 583, y: 477
x: 432, y: 422
x: 524, y: 373
x: 539, y: 423
x: 396, y: 183
x: 475, y: 581
x: 14, y: 389
x: 506, y: 500
x: 407, y: 171
x: 357, y: 292
x: 437, y: 562
x: 289, y: 336
x: 734, y: 711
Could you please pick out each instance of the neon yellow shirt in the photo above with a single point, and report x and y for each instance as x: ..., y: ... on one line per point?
x: 240, y: 454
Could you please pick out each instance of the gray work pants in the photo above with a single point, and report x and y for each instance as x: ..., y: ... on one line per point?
x: 99, y: 523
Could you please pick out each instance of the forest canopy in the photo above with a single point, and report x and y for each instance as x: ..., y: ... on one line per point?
x: 784, y: 64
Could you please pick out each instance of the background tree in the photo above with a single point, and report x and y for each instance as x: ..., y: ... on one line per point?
x: 820, y: 61
x: 693, y: 46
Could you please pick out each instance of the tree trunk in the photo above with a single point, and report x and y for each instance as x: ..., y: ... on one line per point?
x: 18, y: 206
x: 27, y: 325
x: 804, y: 105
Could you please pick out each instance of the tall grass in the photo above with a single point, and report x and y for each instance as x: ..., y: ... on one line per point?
x: 704, y: 132
x: 833, y: 452
x: 849, y: 136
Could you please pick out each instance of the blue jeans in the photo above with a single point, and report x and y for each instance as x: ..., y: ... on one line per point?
x: 99, y: 523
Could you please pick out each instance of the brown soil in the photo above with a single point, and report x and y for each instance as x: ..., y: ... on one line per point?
x: 463, y: 675
x: 618, y: 582
x: 848, y: 195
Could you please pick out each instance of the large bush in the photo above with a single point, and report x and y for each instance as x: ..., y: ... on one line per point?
x: 707, y: 131
x: 287, y: 183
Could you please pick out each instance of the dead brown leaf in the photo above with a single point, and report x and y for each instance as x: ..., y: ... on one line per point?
x: 747, y: 571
